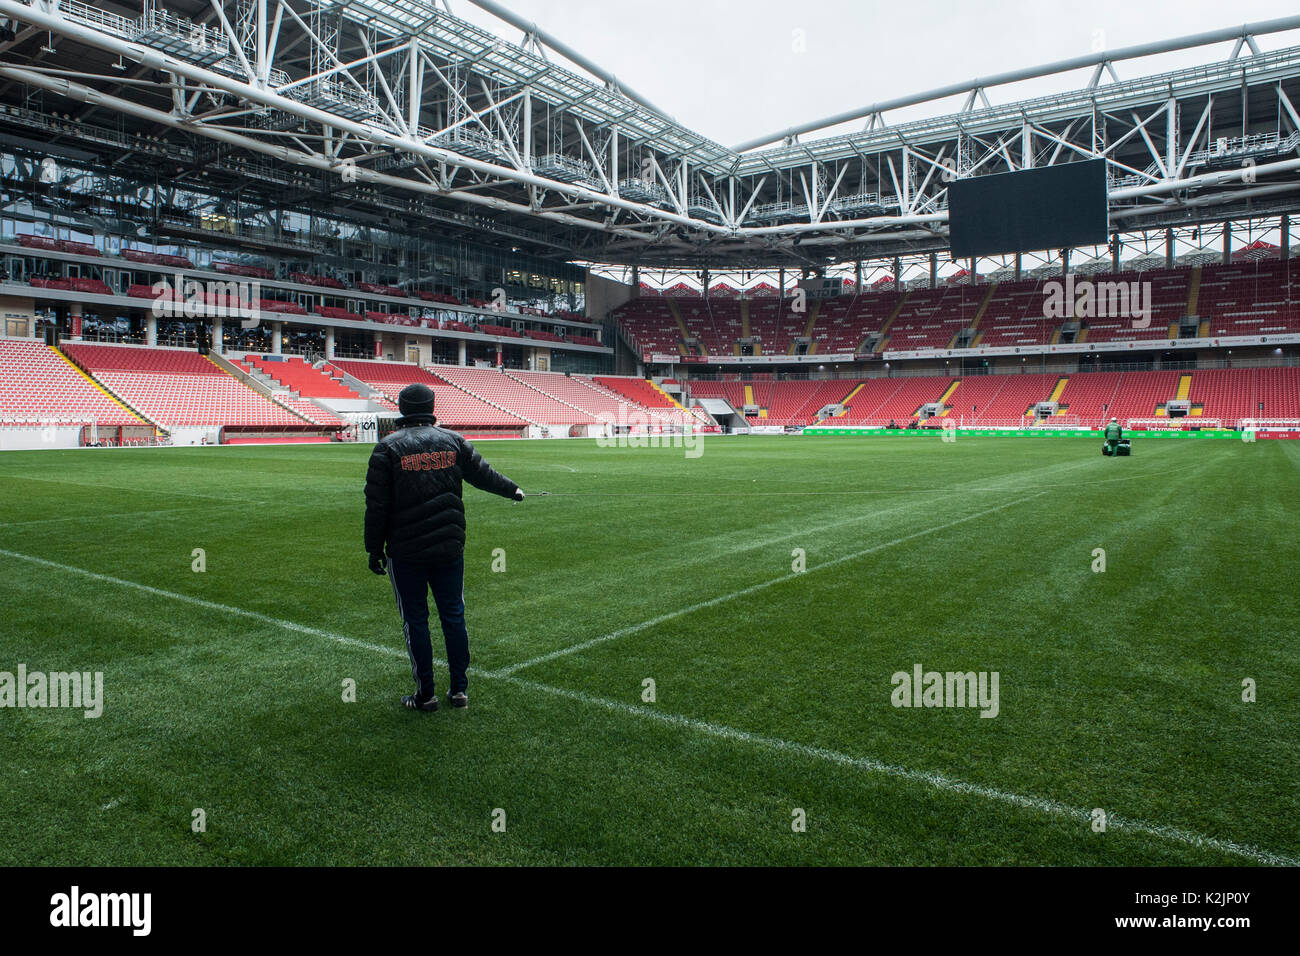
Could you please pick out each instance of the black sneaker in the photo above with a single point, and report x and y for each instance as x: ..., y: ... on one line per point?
x: 410, y: 702
x: 459, y: 700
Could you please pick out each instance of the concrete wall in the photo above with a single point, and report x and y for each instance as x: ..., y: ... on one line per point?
x: 17, y: 315
x: 605, y: 295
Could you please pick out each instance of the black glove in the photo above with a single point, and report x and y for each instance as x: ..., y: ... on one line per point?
x: 378, y: 563
x: 519, y: 494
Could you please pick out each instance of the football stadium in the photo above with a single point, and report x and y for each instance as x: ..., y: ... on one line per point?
x: 912, y: 484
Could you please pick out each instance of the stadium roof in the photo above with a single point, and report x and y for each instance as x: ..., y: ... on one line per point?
x: 354, y: 105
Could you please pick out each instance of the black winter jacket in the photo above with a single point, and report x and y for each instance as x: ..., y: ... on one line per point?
x: 413, y: 488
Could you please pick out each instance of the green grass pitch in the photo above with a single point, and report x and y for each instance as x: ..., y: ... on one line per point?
x: 223, y: 689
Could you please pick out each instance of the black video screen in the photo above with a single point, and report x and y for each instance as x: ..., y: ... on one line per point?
x: 1054, y: 207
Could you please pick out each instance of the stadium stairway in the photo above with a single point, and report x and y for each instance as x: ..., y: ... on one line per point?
x: 273, y: 389
x: 661, y: 413
x: 844, y: 402
x: 442, y: 373
x: 1194, y: 290
x: 672, y: 402
x: 549, y: 394
x: 681, y: 325
x: 267, y: 387
x: 884, y: 329
x: 975, y: 322
x: 944, y: 407
x: 350, y: 381
x: 813, y: 313
x: 116, y: 399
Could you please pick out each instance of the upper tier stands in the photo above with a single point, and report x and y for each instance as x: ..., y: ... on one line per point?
x: 1169, y: 290
x: 37, y: 384
x: 931, y: 318
x: 180, y: 387
x: 776, y: 325
x: 1258, y: 297
x: 716, y: 325
x: 1250, y: 298
x: 1014, y: 316
x: 844, y: 323
x: 650, y: 324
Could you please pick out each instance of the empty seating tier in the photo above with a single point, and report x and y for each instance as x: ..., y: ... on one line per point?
x: 297, y: 376
x: 453, y: 407
x: 37, y: 384
x: 180, y: 387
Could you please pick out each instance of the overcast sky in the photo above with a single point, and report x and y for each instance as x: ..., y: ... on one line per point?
x: 734, y: 70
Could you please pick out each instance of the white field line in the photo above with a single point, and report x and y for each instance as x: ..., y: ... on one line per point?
x: 930, y: 779
x: 137, y: 489
x: 752, y: 589
x: 196, y: 602
x: 102, y: 517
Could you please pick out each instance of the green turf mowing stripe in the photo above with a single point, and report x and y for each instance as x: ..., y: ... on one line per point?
x: 752, y: 589
x: 932, y: 780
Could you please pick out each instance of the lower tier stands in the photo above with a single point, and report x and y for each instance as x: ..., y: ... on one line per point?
x: 297, y: 376
x: 636, y: 390
x: 779, y: 403
x: 573, y: 391
x: 1082, y: 398
x: 498, y: 389
x: 453, y: 407
x: 178, y: 387
x: 998, y: 399
x: 38, y: 385
x: 304, y: 380
x: 477, y: 397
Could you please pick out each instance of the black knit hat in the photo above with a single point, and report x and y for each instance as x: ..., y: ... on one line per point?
x: 415, y: 399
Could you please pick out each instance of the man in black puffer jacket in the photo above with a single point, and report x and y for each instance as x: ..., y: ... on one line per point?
x: 413, y: 506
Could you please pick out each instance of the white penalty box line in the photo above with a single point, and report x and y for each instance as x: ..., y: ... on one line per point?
x: 931, y: 779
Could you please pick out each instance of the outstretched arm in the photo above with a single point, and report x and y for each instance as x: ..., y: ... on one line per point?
x: 482, y: 475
